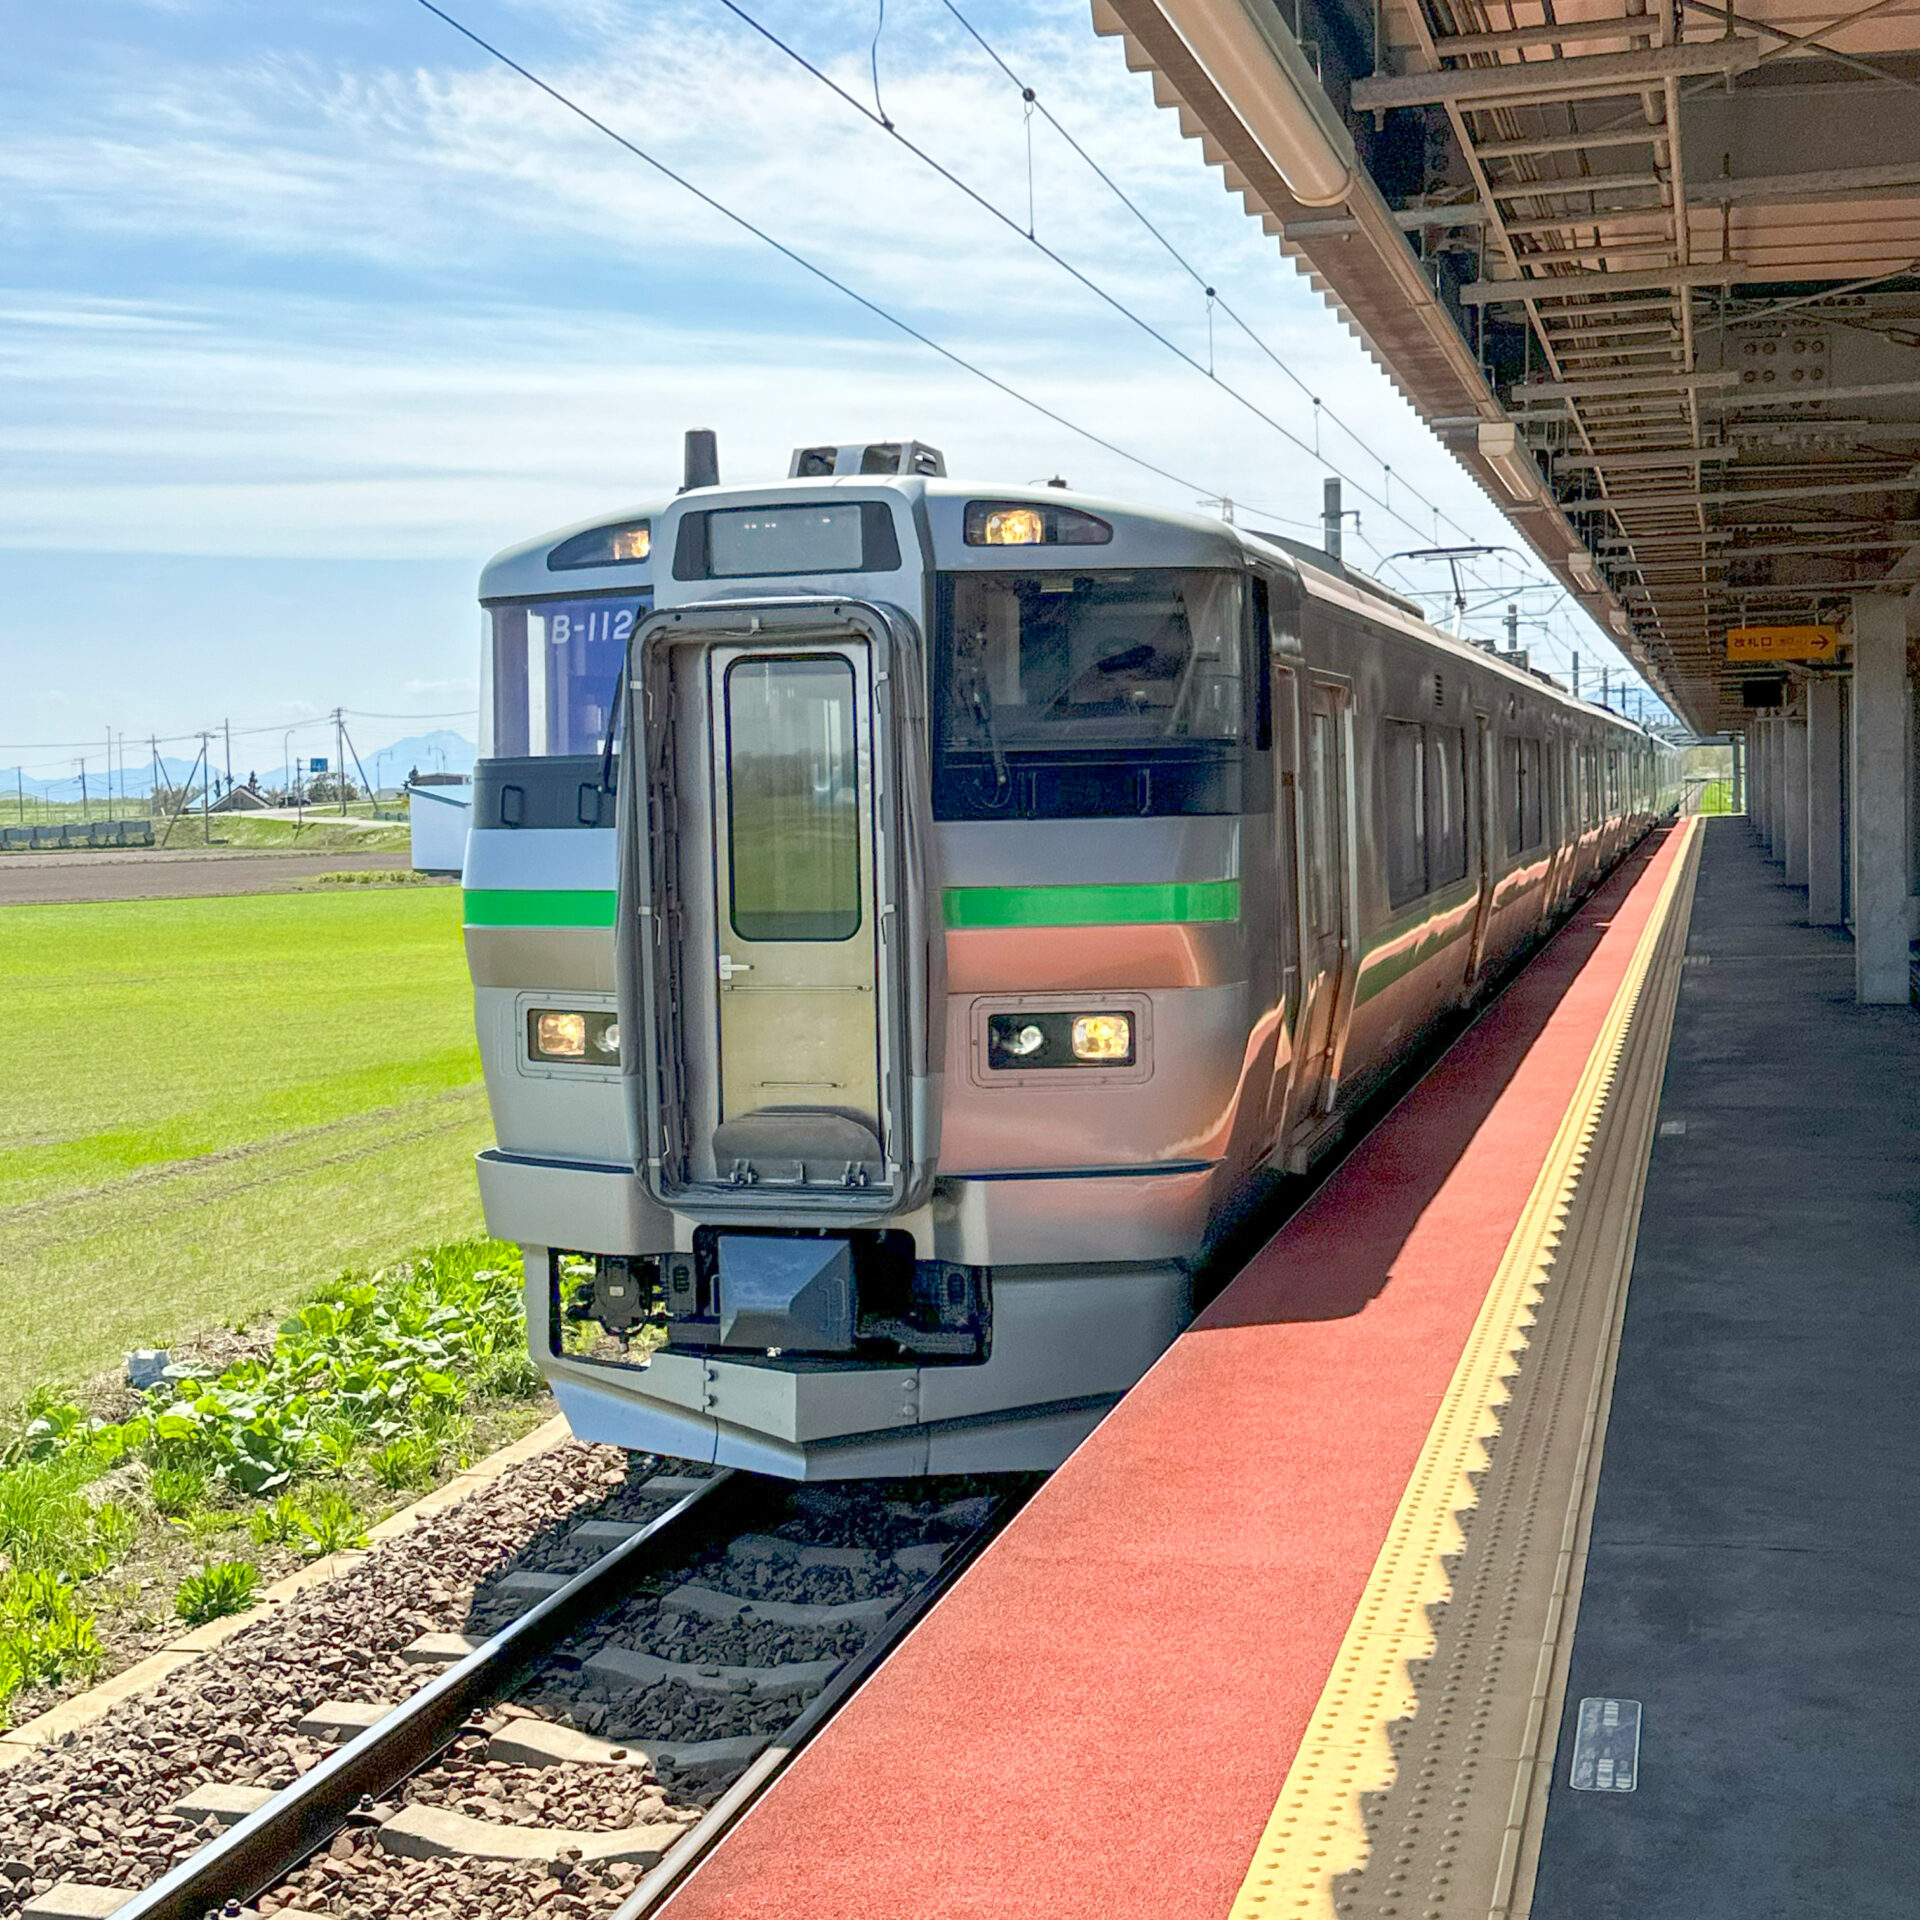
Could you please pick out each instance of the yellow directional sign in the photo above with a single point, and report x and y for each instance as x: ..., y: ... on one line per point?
x: 1782, y: 643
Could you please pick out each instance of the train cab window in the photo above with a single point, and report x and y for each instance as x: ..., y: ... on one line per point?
x: 1403, y: 762
x: 1446, y: 806
x: 1077, y: 695
x: 550, y: 670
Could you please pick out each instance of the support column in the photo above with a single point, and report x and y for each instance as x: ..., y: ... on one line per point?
x: 1742, y: 759
x: 1793, y: 798
x: 1757, y: 799
x: 1824, y: 848
x: 1878, y: 796
x: 1776, y: 813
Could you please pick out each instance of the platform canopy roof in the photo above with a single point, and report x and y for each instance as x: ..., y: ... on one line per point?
x: 1651, y: 271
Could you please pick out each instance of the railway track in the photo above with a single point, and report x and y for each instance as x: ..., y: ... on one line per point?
x: 600, y: 1725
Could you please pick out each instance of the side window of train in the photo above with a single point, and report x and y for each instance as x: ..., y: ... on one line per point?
x: 1522, y: 801
x: 1323, y: 764
x: 1403, y: 757
x: 1446, y: 806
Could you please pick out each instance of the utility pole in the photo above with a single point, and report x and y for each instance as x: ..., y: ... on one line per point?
x: 1576, y: 675
x: 340, y: 754
x: 1606, y: 693
x: 206, y: 789
x: 226, y: 727
x: 85, y: 809
x: 20, y: 791
x: 1330, y: 517
x: 1513, y: 627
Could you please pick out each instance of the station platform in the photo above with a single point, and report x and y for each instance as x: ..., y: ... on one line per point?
x: 1294, y: 1632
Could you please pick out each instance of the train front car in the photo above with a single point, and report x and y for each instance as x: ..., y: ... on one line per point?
x: 930, y: 982
x: 986, y: 884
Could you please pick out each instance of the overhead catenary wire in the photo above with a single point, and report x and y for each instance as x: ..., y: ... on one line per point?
x: 1034, y: 104
x: 1085, y: 280
x: 193, y: 733
x: 820, y: 273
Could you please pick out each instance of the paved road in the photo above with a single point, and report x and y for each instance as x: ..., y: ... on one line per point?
x: 114, y: 873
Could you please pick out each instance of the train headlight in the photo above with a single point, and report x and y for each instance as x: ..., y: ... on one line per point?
x: 560, y: 1036
x: 577, y: 1039
x: 1063, y: 1040
x: 1103, y: 1036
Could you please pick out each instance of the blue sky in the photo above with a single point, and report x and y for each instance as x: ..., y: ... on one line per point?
x: 305, y: 311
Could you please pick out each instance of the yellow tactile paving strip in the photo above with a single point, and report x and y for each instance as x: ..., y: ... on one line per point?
x: 1317, y: 1831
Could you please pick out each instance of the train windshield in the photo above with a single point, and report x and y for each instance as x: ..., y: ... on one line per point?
x: 1070, y: 695
x: 551, y: 670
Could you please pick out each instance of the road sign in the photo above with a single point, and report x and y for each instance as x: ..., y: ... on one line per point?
x: 1782, y: 643
x: 317, y: 766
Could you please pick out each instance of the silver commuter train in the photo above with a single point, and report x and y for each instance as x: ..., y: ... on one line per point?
x: 1005, y: 879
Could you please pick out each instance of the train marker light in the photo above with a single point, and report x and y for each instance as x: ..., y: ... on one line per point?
x: 560, y: 1036
x: 1024, y: 1041
x: 622, y: 545
x: 1013, y: 527
x: 1102, y: 1036
x: 1009, y: 523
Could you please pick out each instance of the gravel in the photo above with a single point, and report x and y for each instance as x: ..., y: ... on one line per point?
x: 99, y: 1809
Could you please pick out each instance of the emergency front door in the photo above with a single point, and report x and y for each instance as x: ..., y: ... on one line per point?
x: 795, y: 918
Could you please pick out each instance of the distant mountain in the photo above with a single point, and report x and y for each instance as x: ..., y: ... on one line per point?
x: 438, y: 752
x: 139, y: 781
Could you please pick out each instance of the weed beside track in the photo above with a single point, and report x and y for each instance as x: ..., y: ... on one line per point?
x: 123, y: 1514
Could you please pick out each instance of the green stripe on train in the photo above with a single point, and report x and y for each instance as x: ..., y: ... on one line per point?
x: 1178, y: 901
x: 1203, y: 900
x: 539, y: 907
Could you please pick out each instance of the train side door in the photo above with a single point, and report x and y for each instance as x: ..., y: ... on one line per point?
x: 1289, y: 861
x: 1327, y: 905
x: 1486, y: 816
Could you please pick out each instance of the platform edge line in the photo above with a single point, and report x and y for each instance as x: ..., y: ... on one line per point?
x: 1316, y: 1831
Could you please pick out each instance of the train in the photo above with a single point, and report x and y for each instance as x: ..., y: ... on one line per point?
x: 907, y: 917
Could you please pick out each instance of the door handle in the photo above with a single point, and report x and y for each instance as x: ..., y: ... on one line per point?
x: 729, y: 966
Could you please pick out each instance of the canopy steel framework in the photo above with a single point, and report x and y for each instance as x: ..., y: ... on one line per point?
x: 1652, y: 271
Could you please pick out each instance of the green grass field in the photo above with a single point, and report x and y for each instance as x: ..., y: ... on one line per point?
x: 208, y: 1106
x: 318, y: 833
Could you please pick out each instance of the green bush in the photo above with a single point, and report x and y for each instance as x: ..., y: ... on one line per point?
x: 376, y: 1372
x: 226, y: 1586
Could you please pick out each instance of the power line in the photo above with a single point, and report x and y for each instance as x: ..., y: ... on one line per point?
x: 1099, y: 292
x: 277, y: 726
x: 819, y: 273
x: 1200, y: 279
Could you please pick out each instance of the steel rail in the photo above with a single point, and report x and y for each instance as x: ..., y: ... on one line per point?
x: 680, y: 1860
x: 267, y: 1845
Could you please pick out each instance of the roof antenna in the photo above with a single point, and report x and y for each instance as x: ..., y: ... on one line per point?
x: 703, y: 459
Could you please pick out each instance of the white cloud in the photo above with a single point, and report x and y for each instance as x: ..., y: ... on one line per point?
x: 438, y: 313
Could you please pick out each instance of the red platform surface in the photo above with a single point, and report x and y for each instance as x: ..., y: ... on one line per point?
x: 1098, y: 1719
